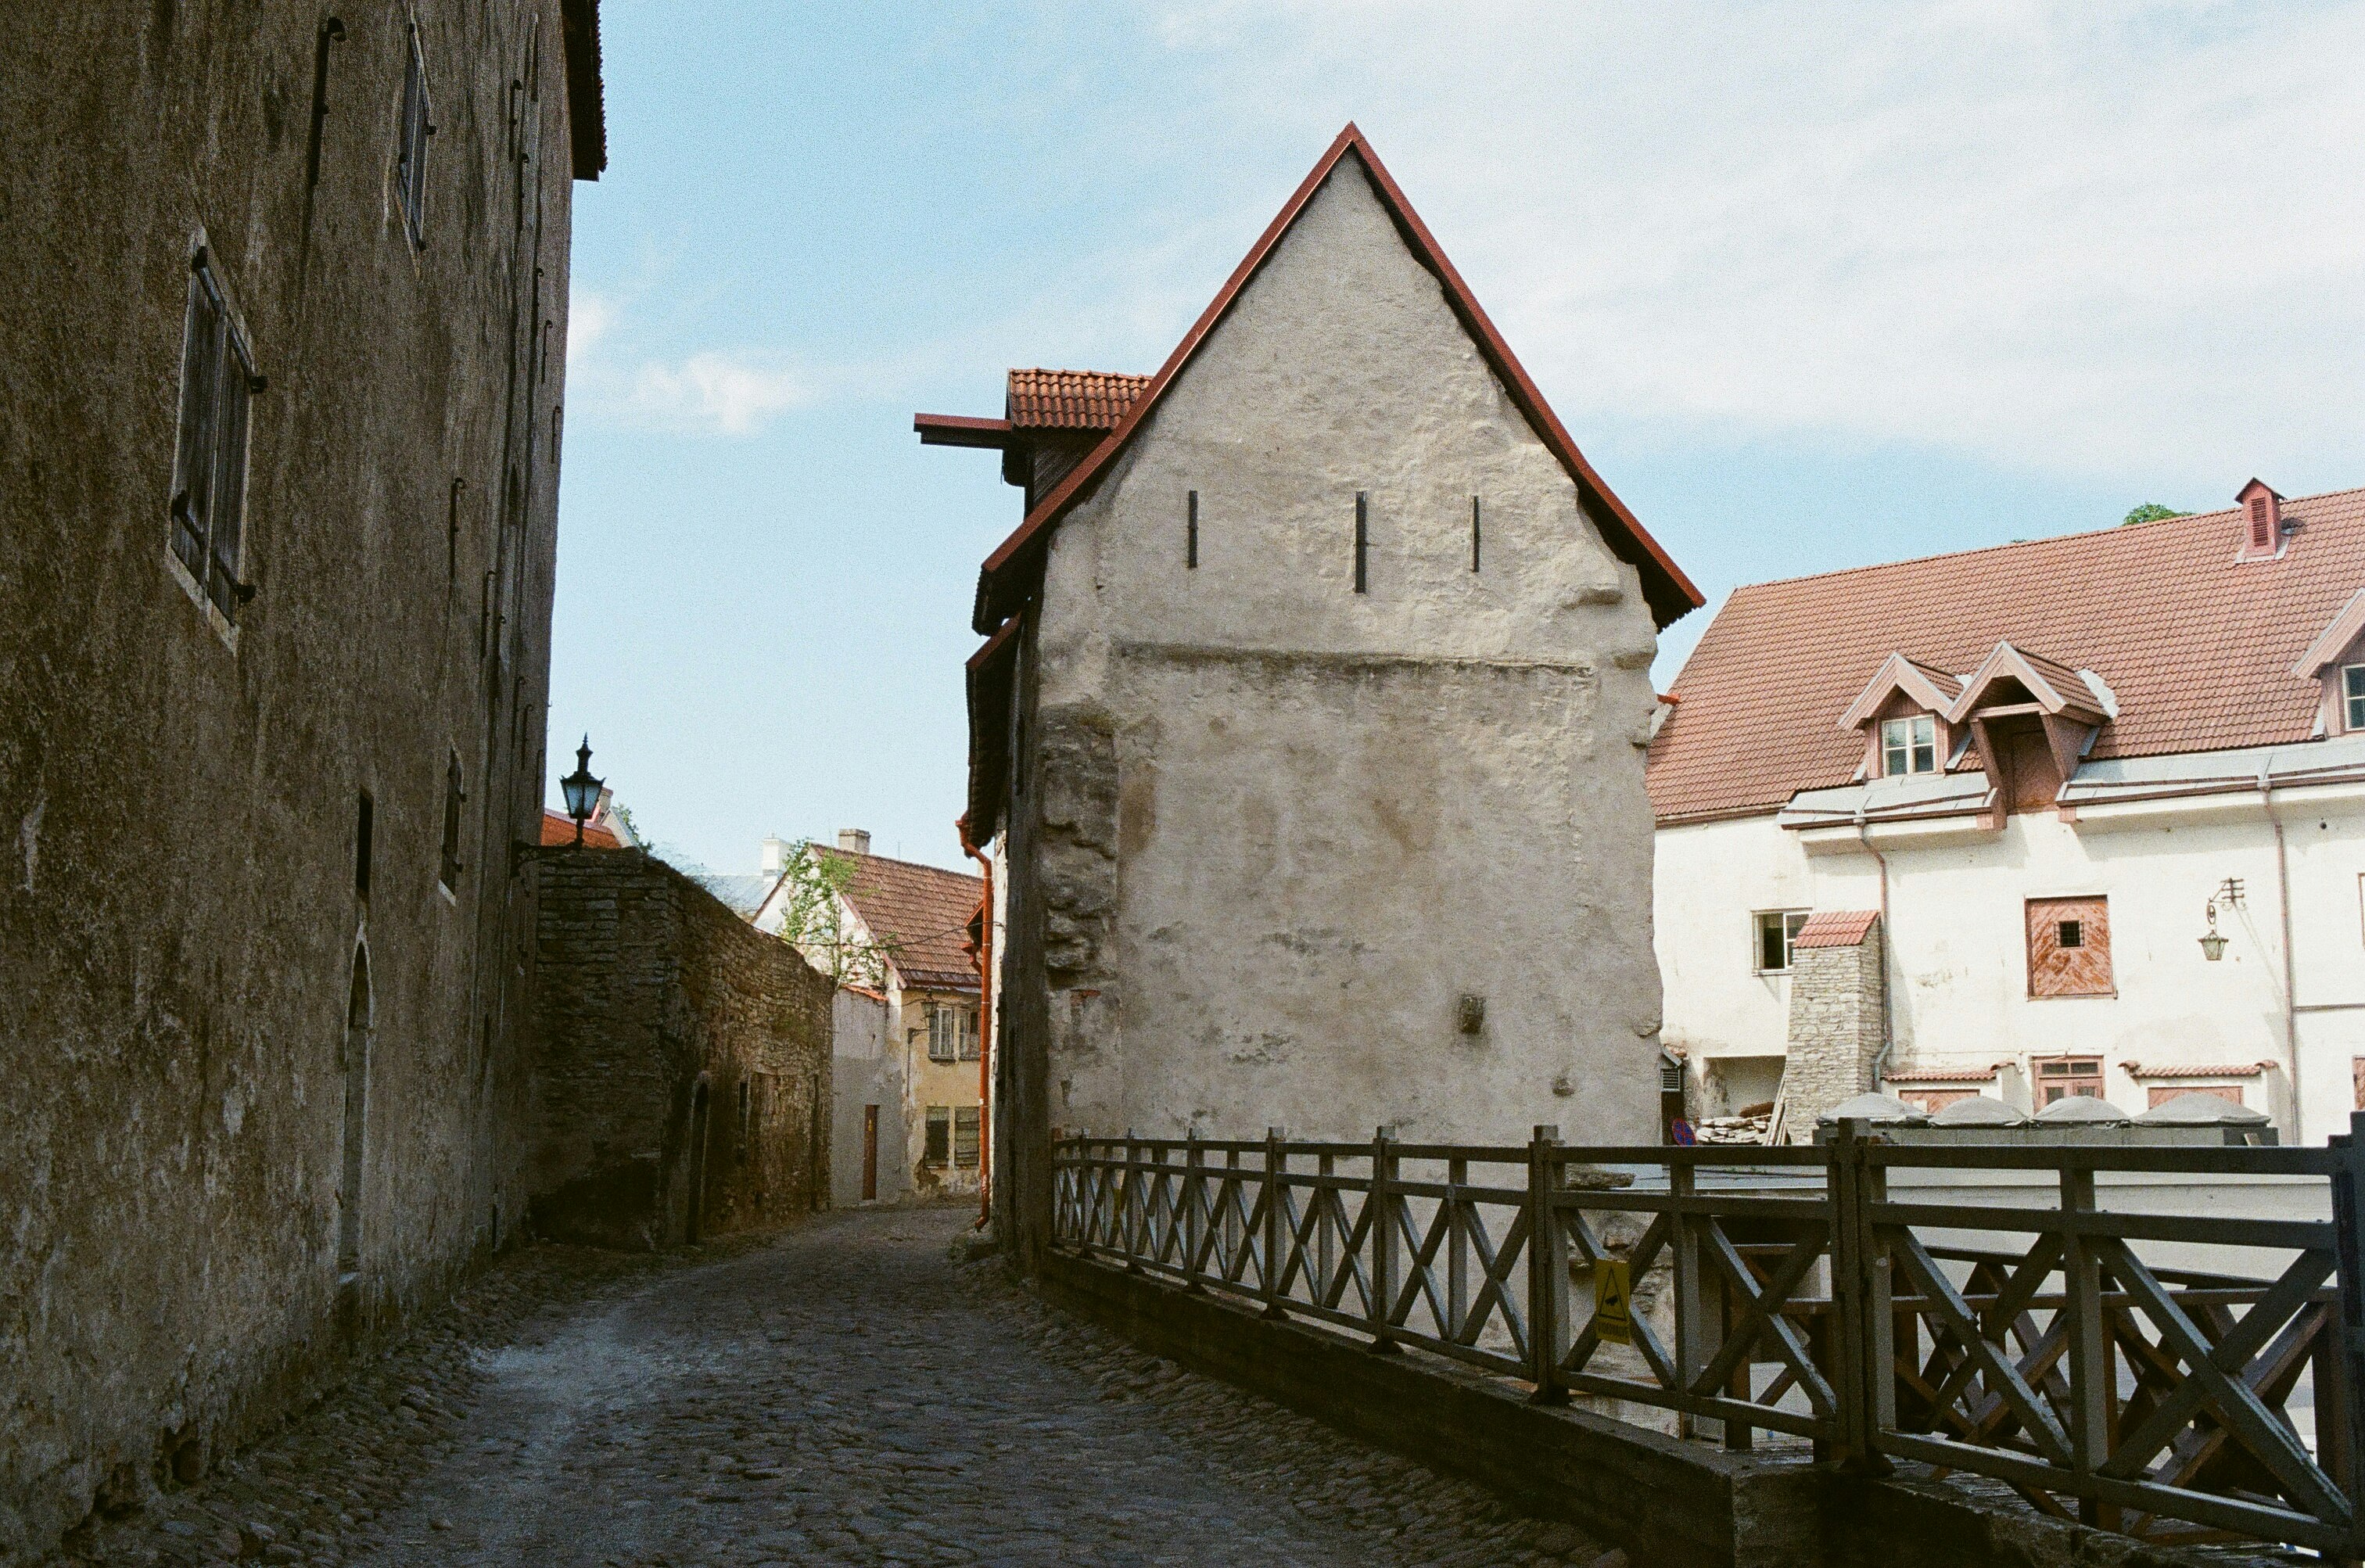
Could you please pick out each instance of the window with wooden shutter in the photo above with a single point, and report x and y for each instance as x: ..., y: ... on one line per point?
x: 2161, y: 1093
x: 208, y: 499
x: 2059, y: 1078
x: 965, y: 1125
x: 2069, y: 948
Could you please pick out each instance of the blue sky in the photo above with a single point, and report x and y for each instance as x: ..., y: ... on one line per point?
x: 1812, y: 285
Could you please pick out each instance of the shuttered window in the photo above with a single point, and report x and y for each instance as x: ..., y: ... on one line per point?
x: 208, y: 499
x: 940, y: 1136
x: 965, y: 1136
x: 2059, y: 1078
x: 2069, y: 948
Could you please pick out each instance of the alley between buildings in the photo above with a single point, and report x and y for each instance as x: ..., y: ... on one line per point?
x: 839, y: 1393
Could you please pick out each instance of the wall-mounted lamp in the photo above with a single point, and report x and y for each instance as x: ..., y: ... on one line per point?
x: 2229, y: 893
x: 582, y: 791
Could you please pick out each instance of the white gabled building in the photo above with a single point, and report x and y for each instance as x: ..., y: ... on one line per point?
x: 2020, y: 785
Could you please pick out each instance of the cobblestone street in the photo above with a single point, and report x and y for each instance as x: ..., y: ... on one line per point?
x: 841, y: 1392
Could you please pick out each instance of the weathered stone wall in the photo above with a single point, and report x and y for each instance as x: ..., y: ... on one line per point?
x: 680, y: 1068
x: 1836, y: 1024
x: 180, y: 921
x: 1267, y: 830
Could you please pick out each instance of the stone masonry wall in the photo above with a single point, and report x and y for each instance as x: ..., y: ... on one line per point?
x: 679, y: 1072
x: 213, y: 1187
x: 1835, y: 1028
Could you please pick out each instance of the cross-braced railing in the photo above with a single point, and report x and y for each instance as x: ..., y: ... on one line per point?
x: 2180, y: 1376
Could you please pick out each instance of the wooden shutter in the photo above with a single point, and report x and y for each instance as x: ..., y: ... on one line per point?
x: 2069, y: 948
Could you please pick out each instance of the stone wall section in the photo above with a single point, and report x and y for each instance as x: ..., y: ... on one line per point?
x: 680, y: 1071
x: 182, y: 924
x: 1837, y: 1022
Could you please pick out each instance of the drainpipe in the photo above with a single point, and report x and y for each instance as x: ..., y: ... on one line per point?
x: 2282, y: 899
x: 1888, y: 941
x: 985, y: 1032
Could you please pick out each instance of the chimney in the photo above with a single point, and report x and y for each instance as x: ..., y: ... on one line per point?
x: 2262, y: 521
x: 774, y: 856
x: 854, y: 840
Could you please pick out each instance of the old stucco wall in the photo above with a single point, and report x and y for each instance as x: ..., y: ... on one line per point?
x: 179, y: 915
x: 865, y: 1068
x: 1276, y: 828
x: 652, y: 990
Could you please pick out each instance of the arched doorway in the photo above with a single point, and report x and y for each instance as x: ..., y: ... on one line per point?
x: 694, y: 1229
x: 355, y: 1061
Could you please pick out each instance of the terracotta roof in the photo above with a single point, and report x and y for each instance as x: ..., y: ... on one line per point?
x: 2197, y: 1070
x: 2196, y: 646
x: 558, y: 827
x: 1071, y: 400
x: 1009, y: 574
x: 1940, y: 1075
x: 920, y: 912
x: 1835, y: 928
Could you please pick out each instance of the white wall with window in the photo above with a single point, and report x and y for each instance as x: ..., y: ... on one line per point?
x: 1967, y: 911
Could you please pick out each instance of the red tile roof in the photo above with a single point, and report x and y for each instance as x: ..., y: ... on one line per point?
x: 920, y: 913
x: 1835, y: 928
x: 1940, y: 1075
x: 2197, y: 1070
x: 1071, y: 400
x: 2196, y: 646
x: 558, y: 827
x: 1008, y: 575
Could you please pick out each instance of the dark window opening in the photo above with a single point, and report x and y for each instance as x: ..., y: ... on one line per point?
x: 939, y: 1148
x: 1191, y: 535
x: 418, y: 125
x: 2072, y: 934
x: 1474, y: 533
x: 452, y: 531
x: 1778, y: 929
x: 208, y: 503
x: 452, y: 795
x: 1362, y: 541
x: 746, y: 1120
x: 362, y: 829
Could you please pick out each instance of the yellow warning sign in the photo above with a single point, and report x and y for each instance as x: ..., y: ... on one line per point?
x: 1613, y: 1321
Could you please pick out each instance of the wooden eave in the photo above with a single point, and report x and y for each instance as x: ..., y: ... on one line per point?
x: 1007, y: 578
x: 1897, y: 672
x: 2334, y: 640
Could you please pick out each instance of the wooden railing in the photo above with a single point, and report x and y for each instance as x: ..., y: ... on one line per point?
x: 2069, y: 1347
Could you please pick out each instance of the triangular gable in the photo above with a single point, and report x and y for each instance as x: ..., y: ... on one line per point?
x: 1897, y: 673
x: 2335, y: 637
x: 2057, y: 687
x: 1007, y: 574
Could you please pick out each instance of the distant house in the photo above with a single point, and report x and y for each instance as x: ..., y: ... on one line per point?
x: 1960, y: 826
x: 903, y: 937
x: 606, y: 828
x: 1309, y: 722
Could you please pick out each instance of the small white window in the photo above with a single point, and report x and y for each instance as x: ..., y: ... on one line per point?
x: 1908, y: 745
x: 1777, y: 930
x: 2352, y: 694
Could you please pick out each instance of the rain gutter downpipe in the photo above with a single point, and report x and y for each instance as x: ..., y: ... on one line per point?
x: 985, y: 1032
x: 1888, y: 942
x: 2282, y: 901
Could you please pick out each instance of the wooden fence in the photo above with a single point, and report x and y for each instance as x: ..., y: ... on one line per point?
x: 2060, y: 1344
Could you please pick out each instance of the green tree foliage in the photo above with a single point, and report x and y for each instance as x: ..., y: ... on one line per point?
x: 813, y: 923
x: 2152, y: 511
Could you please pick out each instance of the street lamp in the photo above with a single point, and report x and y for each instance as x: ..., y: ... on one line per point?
x: 582, y: 792
x: 2229, y: 891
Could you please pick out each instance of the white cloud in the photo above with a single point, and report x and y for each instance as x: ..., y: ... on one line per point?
x: 2075, y: 236
x: 715, y: 392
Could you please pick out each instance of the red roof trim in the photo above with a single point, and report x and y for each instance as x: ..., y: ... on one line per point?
x: 961, y: 430
x: 1671, y: 594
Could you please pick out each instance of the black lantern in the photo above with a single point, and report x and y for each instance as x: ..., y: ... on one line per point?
x: 582, y: 791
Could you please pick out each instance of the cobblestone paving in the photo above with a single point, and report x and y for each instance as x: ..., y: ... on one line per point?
x: 837, y: 1393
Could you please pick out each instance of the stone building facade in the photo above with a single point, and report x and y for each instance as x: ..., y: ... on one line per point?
x: 1839, y: 1015
x: 1312, y: 714
x: 678, y: 1074
x: 280, y: 408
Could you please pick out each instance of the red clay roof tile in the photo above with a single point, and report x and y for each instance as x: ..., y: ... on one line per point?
x: 920, y: 913
x: 1835, y: 928
x: 2196, y: 646
x: 1071, y: 400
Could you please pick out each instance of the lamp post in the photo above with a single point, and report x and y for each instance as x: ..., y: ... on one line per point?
x: 582, y: 791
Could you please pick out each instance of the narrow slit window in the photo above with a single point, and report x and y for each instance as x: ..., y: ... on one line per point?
x: 1474, y: 533
x: 1362, y: 541
x: 448, y: 872
x: 363, y: 825
x: 1191, y: 534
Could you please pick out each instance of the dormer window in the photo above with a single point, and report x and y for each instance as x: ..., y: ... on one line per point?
x: 1908, y: 745
x: 2352, y: 698
x: 2262, y: 521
